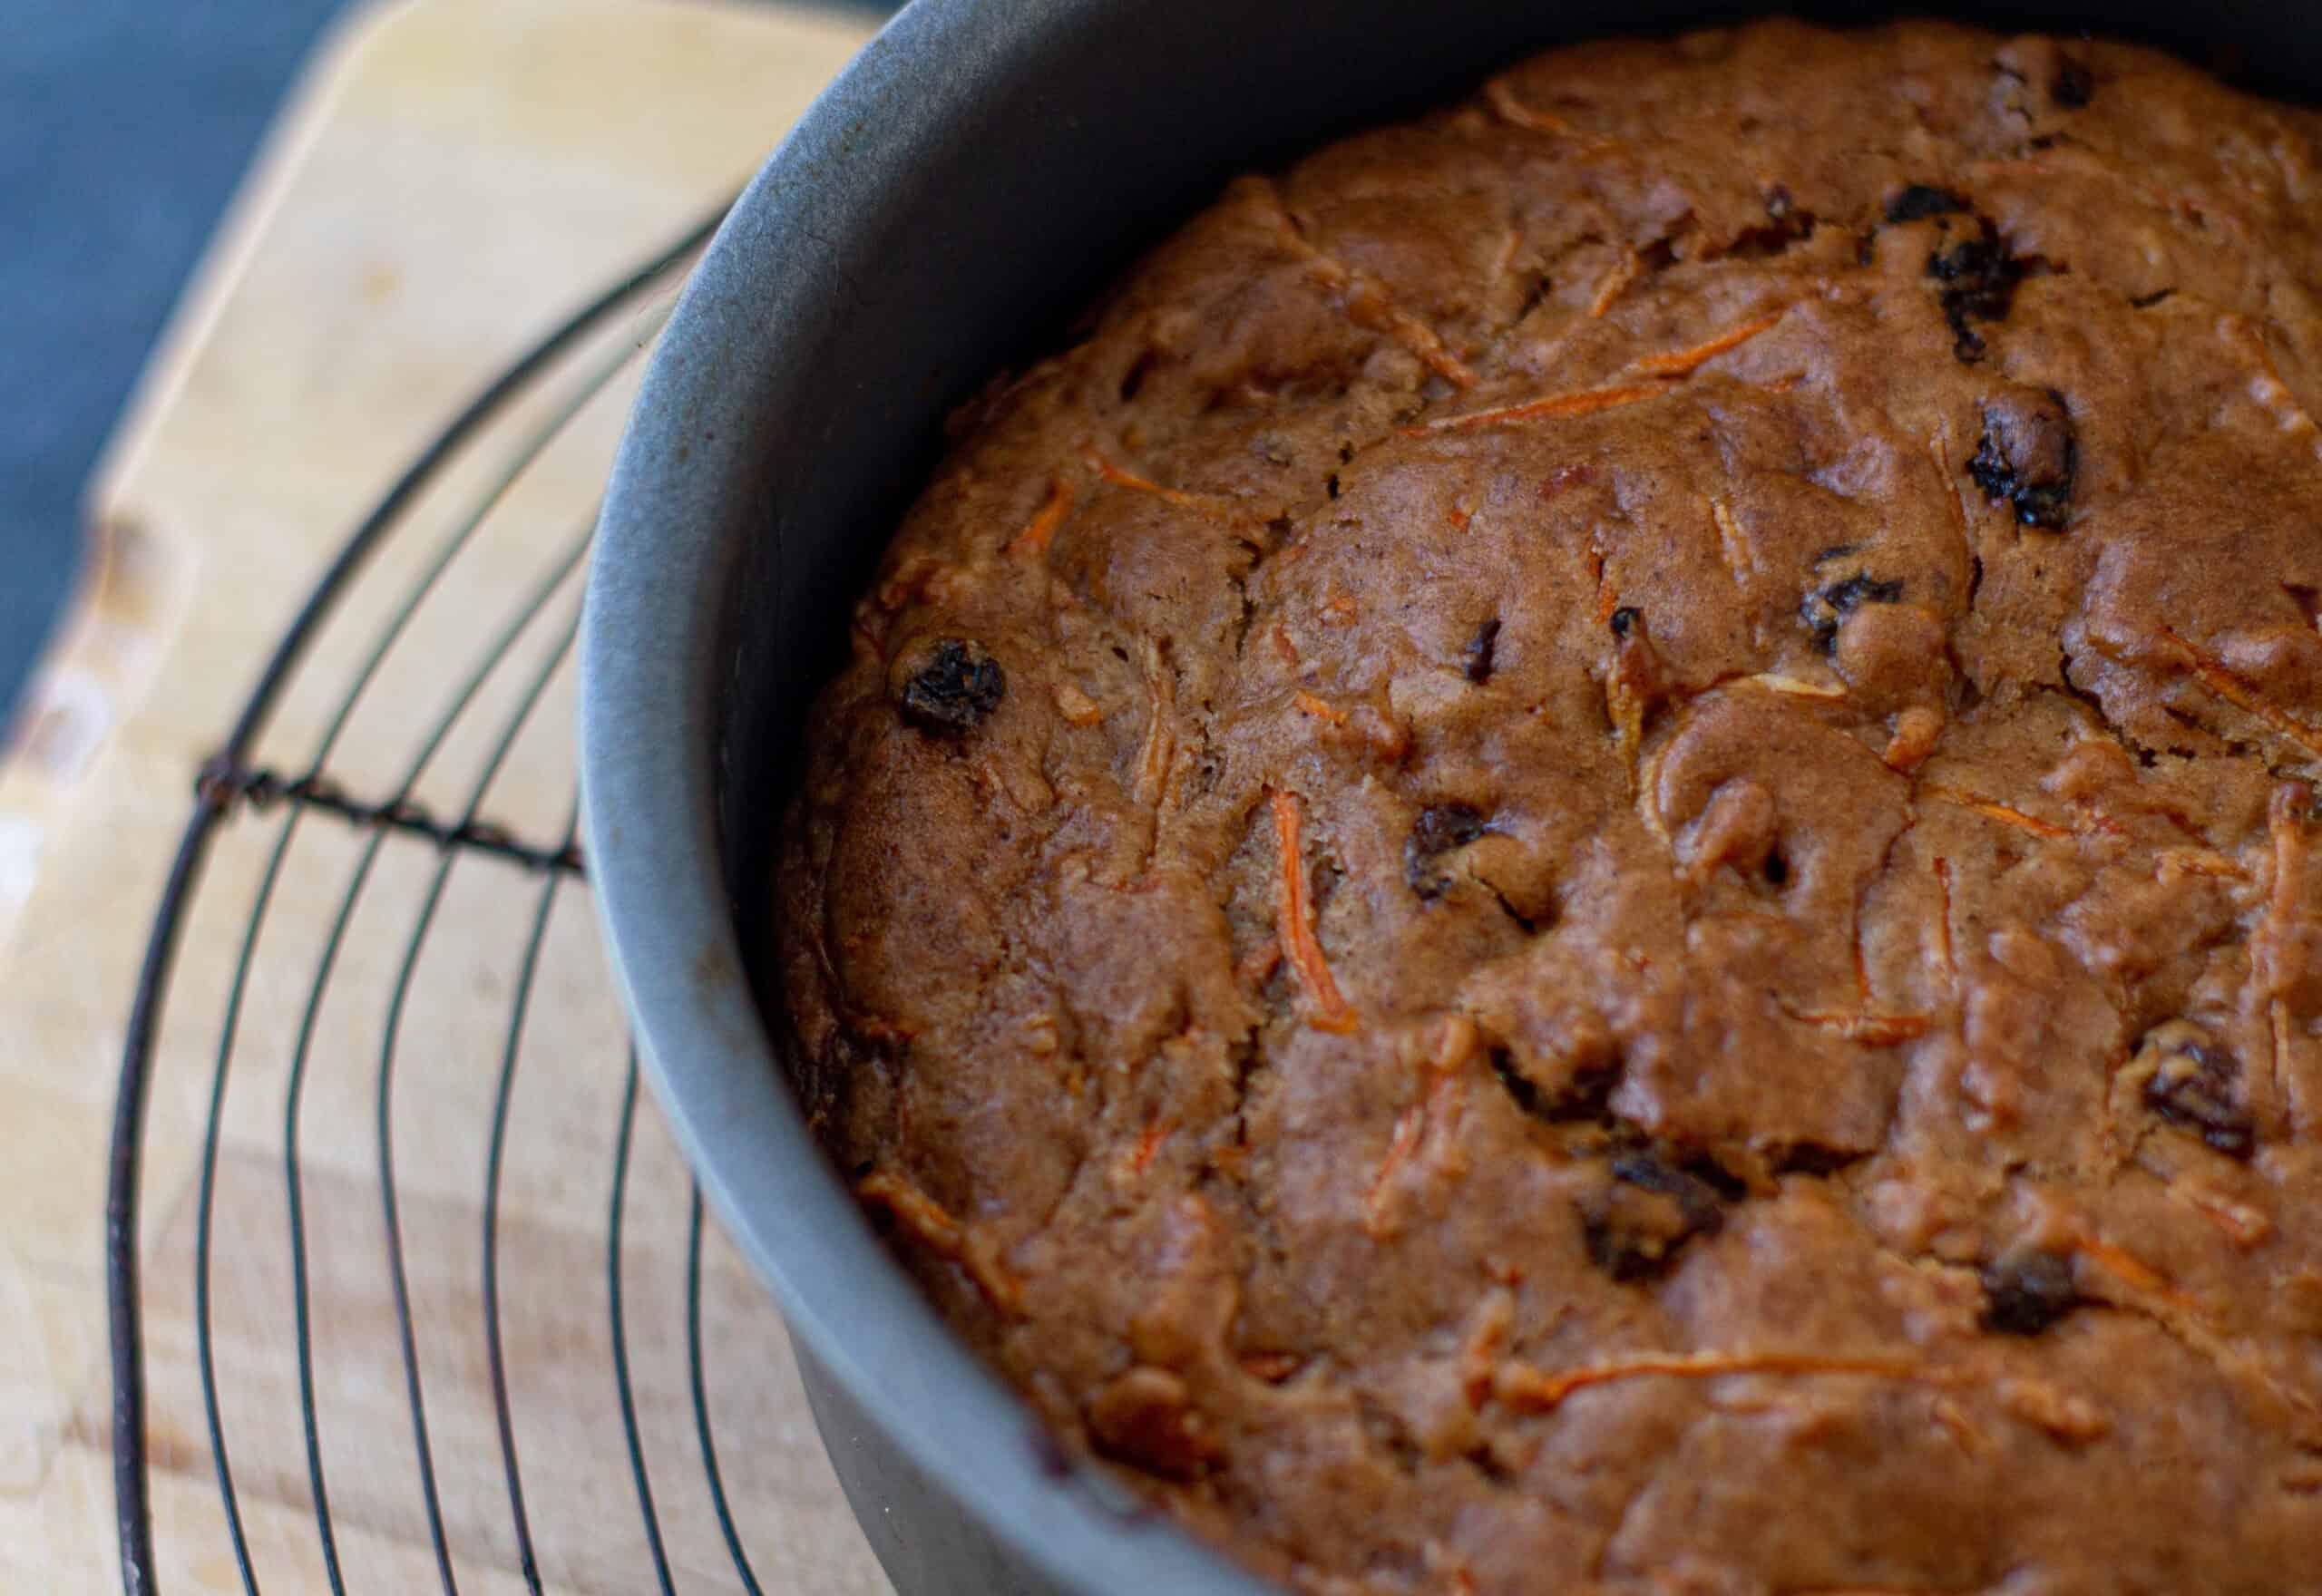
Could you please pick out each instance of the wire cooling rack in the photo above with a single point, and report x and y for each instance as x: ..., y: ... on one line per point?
x: 417, y: 1384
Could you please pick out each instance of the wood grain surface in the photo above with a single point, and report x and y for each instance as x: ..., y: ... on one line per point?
x: 452, y: 179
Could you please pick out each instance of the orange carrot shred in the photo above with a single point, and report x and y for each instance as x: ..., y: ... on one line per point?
x: 1732, y: 541
x: 1294, y: 915
x: 1678, y: 363
x: 1273, y: 1367
x: 1943, y: 920
x: 1506, y: 262
x: 1034, y: 538
x: 1866, y: 1026
x: 1367, y: 302
x: 2125, y: 1266
x: 1607, y: 601
x: 2199, y: 862
x: 1528, y: 1389
x: 2213, y: 674
x: 1625, y: 270
x: 1515, y: 113
x: 1585, y: 401
x: 1317, y: 708
x: 1990, y: 809
x: 1148, y: 1144
x: 1204, y: 505
x: 1409, y: 1127
x: 2241, y: 1224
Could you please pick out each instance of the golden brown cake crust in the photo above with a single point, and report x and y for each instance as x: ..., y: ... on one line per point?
x: 1585, y: 863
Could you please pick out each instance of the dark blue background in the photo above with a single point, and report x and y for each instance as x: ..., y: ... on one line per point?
x: 124, y: 128
x: 124, y: 125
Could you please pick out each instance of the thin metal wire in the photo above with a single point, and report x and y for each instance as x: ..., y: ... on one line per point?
x: 131, y: 1489
x: 716, y: 1475
x: 294, y: 1093
x: 504, y: 1094
x: 262, y: 789
x: 390, y: 1208
x: 620, y: 1331
x: 216, y: 799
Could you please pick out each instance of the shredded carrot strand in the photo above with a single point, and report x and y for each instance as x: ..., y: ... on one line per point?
x: 1273, y: 1367
x: 1730, y: 538
x: 1160, y: 737
x: 1865, y: 1026
x: 1409, y: 1127
x: 1035, y: 537
x: 1607, y: 601
x: 1149, y: 1143
x: 1440, y: 1110
x: 1678, y: 363
x: 2199, y: 862
x: 1317, y: 708
x: 1514, y: 111
x: 1528, y: 1389
x: 1366, y: 301
x: 1294, y: 915
x: 1506, y: 262
x: 2213, y: 674
x: 1425, y: 342
x: 1204, y: 505
x: 2268, y: 389
x: 2124, y: 1266
x: 1625, y: 270
x: 1942, y: 921
x: 2241, y: 1224
x: 1794, y: 687
x: 1947, y: 1412
x: 1587, y: 402
x: 1990, y: 809
x: 1120, y: 476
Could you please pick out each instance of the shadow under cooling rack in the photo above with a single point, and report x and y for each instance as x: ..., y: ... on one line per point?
x: 421, y: 1297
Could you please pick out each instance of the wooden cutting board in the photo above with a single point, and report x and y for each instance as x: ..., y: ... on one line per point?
x: 453, y: 178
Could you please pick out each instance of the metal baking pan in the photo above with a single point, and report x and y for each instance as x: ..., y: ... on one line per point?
x: 977, y: 172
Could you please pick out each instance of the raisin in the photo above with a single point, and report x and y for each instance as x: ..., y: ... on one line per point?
x: 2075, y: 85
x: 1824, y: 609
x: 2027, y: 1292
x: 1585, y: 1094
x: 1634, y: 1228
x: 2192, y: 1085
x: 1980, y: 278
x: 1479, y: 650
x: 1918, y: 201
x: 1813, y: 1158
x: 2028, y: 456
x: 957, y: 687
x: 1441, y: 829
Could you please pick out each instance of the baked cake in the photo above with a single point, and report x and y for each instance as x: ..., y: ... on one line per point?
x: 1586, y: 861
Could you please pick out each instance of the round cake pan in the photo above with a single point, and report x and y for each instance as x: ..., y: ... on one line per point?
x: 973, y: 176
